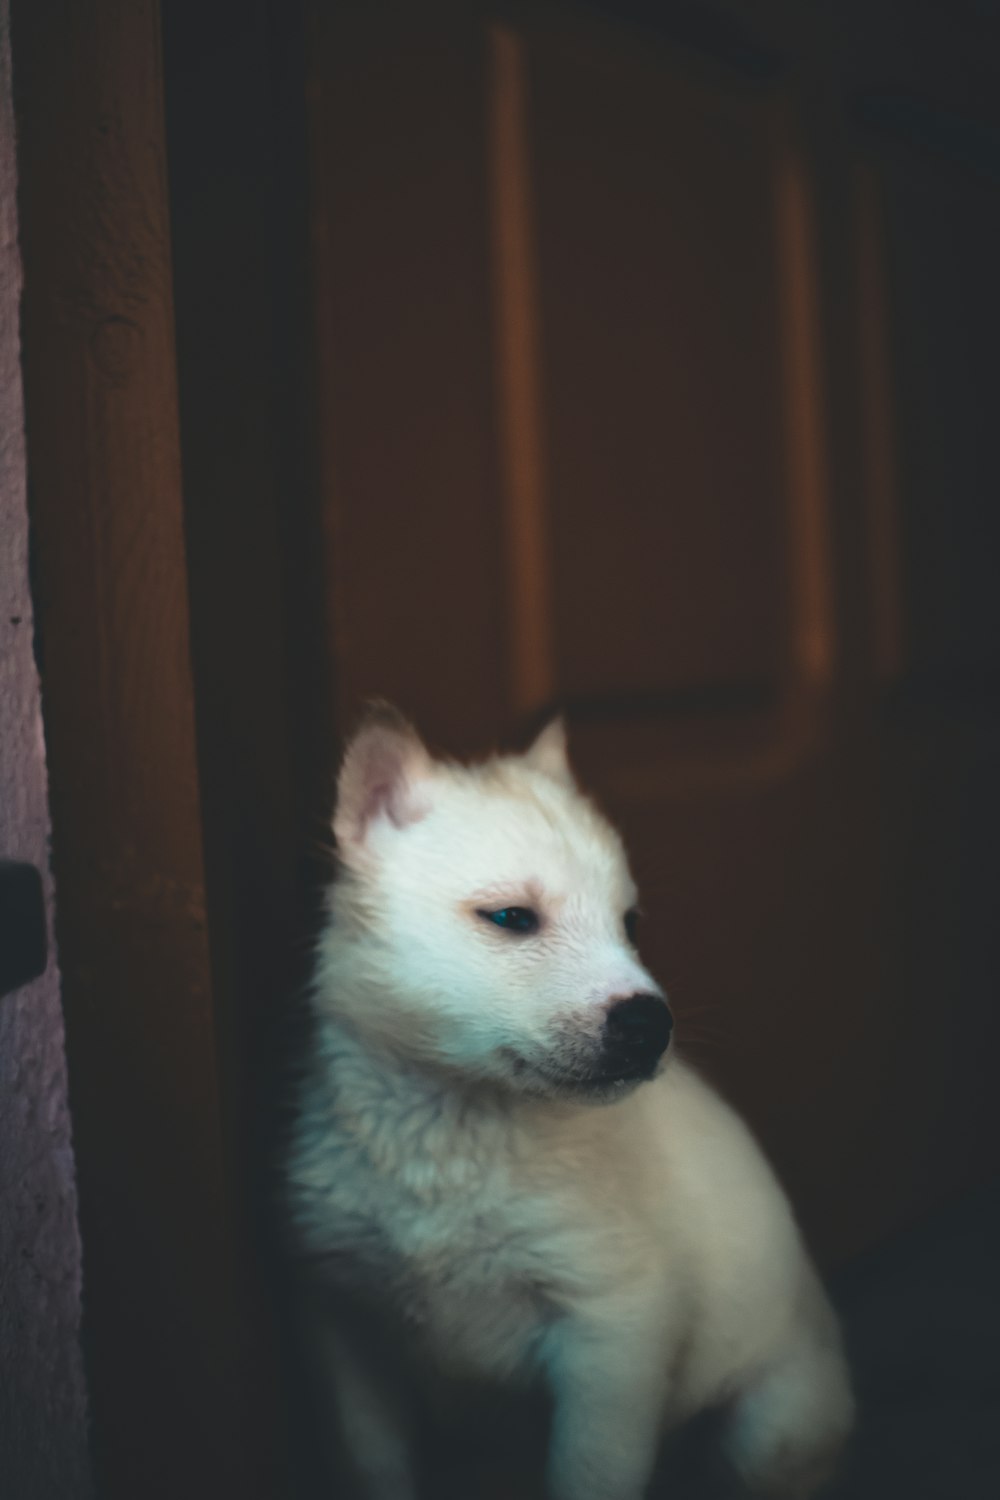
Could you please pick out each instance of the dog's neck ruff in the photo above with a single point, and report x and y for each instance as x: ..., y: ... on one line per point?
x: 426, y: 1132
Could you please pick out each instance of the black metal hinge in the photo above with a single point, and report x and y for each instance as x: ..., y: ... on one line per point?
x: 22, y: 925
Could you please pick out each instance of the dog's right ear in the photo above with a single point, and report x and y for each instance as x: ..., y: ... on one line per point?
x: 548, y: 752
x: 384, y: 774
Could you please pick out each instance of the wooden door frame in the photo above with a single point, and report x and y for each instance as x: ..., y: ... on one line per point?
x: 170, y: 506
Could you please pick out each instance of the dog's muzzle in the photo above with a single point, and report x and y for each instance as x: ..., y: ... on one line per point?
x: 636, y: 1034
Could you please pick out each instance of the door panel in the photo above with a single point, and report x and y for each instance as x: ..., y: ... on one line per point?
x: 577, y: 407
x: 407, y: 410
x: 942, y: 224
x: 661, y: 359
x: 929, y: 231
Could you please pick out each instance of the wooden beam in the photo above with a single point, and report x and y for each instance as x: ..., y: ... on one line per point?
x: 163, y: 1325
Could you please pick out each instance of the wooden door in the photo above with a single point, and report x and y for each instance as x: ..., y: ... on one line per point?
x: 619, y: 412
x: 655, y: 379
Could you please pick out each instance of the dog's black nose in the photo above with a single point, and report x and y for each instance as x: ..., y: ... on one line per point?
x: 637, y: 1033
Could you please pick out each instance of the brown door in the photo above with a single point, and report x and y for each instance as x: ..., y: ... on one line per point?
x: 655, y: 379
x: 617, y: 414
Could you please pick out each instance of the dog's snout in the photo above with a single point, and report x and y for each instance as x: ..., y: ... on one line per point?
x: 637, y: 1031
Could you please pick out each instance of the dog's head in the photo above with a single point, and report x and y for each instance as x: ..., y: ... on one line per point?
x: 484, y: 919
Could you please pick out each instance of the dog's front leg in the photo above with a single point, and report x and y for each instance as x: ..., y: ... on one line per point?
x: 361, y: 1411
x: 608, y: 1380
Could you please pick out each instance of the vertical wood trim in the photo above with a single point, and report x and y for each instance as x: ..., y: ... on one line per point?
x: 160, y: 1327
x: 814, y: 643
x: 885, y: 595
x: 516, y: 312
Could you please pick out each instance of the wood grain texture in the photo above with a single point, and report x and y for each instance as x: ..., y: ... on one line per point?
x: 160, y: 1322
x: 520, y: 409
x: 813, y: 643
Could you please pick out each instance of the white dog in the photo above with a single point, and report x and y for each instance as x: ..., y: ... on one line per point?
x: 500, y: 1172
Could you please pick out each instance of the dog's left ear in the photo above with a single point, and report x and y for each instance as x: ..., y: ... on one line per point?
x: 384, y: 776
x: 548, y: 753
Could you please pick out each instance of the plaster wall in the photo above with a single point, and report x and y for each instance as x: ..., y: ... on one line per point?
x: 43, y: 1453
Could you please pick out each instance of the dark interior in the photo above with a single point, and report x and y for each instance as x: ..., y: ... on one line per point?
x: 634, y: 360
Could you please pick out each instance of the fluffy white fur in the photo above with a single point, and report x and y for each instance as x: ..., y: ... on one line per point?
x: 463, y: 1203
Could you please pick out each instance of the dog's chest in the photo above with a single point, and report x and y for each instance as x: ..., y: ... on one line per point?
x: 453, y: 1254
x: 466, y: 1283
x: 472, y: 1322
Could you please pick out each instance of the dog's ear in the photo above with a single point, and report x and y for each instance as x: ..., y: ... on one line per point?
x: 547, y: 752
x: 384, y: 775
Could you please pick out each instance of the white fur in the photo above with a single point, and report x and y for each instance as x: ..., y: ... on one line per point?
x: 462, y: 1207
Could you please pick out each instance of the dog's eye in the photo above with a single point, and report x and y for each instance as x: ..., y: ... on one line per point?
x: 513, y: 918
x: 632, y: 925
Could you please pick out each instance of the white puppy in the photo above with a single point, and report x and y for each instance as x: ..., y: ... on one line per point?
x: 498, y: 1169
